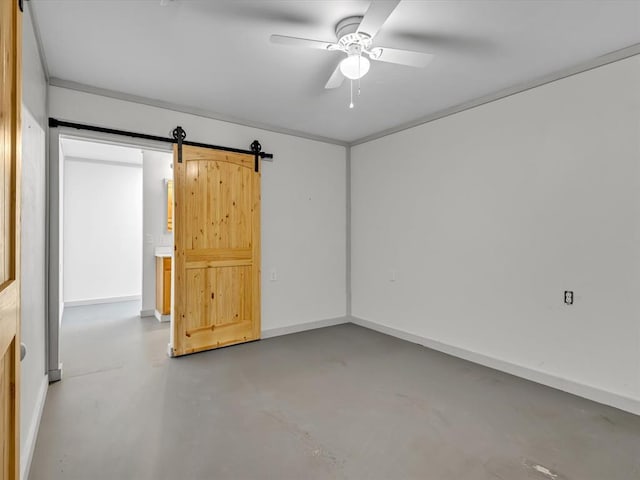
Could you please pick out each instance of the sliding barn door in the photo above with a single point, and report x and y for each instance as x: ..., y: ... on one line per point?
x: 217, y: 250
x: 10, y: 105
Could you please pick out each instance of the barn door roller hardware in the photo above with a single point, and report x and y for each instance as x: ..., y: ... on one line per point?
x: 179, y: 136
x: 256, y: 148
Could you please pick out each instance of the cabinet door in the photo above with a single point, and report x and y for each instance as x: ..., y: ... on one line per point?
x: 166, y: 287
x: 159, y: 285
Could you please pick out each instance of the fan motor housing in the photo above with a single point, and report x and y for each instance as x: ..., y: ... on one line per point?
x: 348, y: 36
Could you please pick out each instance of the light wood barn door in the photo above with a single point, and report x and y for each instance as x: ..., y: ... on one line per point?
x: 217, y: 250
x: 10, y: 105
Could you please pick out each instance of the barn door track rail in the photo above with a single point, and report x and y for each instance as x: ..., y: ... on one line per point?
x: 179, y: 136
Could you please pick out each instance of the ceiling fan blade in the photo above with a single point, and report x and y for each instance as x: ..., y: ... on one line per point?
x: 301, y: 42
x: 401, y: 57
x: 376, y: 15
x: 336, y: 79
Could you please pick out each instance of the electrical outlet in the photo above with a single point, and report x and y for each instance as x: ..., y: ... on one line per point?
x: 273, y: 276
x: 392, y: 276
x: 568, y: 297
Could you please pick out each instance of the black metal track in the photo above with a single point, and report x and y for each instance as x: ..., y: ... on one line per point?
x: 54, y: 123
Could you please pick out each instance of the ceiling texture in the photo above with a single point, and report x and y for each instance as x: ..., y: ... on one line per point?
x: 215, y: 56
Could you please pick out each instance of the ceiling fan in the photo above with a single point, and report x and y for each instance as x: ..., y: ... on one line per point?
x: 355, y: 38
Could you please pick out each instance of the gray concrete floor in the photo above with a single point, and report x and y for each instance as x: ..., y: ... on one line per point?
x: 340, y: 402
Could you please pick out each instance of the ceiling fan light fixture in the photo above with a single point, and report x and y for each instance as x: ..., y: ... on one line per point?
x: 355, y: 66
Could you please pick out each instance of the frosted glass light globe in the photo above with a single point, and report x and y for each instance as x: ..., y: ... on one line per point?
x: 355, y: 66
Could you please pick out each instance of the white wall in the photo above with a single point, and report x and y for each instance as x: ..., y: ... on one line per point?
x: 102, y: 231
x: 156, y: 168
x: 33, y: 380
x: 303, y: 202
x: 487, y: 216
x: 59, y: 195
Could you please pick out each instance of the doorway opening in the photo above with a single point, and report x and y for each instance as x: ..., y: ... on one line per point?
x: 113, y: 222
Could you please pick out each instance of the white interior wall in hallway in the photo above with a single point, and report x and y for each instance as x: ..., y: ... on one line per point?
x: 303, y: 202
x: 33, y: 379
x: 156, y: 169
x: 467, y: 231
x: 60, y: 233
x: 102, y: 231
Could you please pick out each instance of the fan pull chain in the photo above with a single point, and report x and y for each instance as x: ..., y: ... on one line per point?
x: 351, y: 104
x: 359, y: 76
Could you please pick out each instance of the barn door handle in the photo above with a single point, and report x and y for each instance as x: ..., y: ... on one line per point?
x: 23, y: 351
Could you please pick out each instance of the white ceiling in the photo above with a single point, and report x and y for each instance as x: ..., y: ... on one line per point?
x: 216, y: 55
x: 102, y: 152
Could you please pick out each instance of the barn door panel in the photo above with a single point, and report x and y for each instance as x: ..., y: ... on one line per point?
x: 217, y: 250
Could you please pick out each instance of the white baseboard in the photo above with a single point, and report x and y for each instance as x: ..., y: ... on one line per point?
x: 98, y: 301
x: 26, y: 455
x: 147, y: 313
x: 301, y: 327
x: 161, y: 318
x: 586, y: 391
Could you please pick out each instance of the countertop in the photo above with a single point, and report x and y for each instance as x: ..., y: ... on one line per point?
x: 164, y: 252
